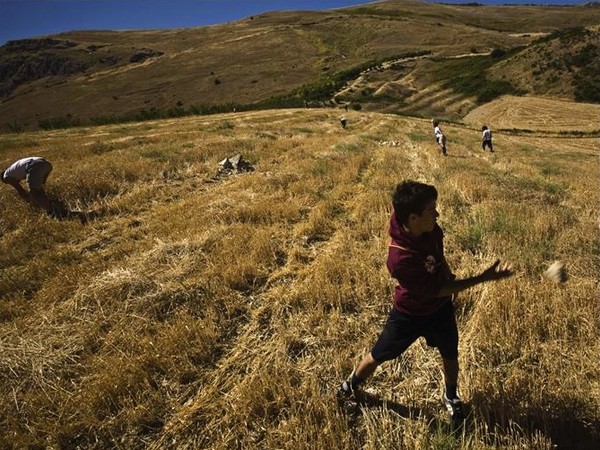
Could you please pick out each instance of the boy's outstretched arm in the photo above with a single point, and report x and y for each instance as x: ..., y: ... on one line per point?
x: 496, y: 271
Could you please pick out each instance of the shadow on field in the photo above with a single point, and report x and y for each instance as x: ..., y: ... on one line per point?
x: 568, y: 432
x: 565, y: 425
x: 59, y: 210
x: 365, y: 400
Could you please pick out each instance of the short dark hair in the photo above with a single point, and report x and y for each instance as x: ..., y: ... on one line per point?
x: 483, y: 128
x: 411, y: 197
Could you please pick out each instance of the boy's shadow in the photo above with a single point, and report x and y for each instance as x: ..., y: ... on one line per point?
x: 60, y: 210
x: 566, y: 426
x: 365, y: 400
x: 565, y: 430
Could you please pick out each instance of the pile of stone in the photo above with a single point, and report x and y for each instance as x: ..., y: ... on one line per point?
x: 235, y: 164
x: 389, y: 143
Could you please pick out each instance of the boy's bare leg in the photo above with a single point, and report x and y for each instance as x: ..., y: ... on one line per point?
x: 366, y: 367
x: 450, y: 372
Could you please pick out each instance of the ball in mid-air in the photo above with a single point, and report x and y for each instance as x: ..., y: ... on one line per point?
x: 557, y: 272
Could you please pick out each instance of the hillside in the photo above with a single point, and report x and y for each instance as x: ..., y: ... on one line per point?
x: 197, y: 311
x: 279, y: 59
x: 564, y: 64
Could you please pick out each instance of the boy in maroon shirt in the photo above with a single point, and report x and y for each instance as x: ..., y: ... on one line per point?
x: 423, y: 296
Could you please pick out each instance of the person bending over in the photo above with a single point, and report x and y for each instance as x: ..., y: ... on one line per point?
x: 34, y: 170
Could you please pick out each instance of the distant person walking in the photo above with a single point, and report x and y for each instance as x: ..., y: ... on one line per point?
x: 440, y: 137
x: 422, y: 303
x: 486, y: 139
x: 34, y: 170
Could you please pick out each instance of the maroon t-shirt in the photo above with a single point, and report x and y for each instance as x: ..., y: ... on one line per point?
x: 420, y: 268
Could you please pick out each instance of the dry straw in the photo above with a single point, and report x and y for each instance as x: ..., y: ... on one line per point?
x: 202, y: 313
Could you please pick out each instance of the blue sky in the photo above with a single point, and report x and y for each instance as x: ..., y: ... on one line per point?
x: 30, y: 18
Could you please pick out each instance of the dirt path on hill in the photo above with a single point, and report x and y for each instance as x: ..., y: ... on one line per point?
x: 360, y: 79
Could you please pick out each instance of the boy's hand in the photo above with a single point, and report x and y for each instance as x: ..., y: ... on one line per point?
x: 497, y: 271
x: 17, y: 185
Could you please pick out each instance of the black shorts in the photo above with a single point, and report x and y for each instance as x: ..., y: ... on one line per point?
x: 401, y: 330
x: 37, y: 173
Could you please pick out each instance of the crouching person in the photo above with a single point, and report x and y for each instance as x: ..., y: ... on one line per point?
x: 34, y: 170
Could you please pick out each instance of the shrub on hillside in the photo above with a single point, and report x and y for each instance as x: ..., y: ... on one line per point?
x: 467, y: 76
x: 167, y: 113
x: 564, y: 35
x: 483, y: 89
x: 587, y: 86
x: 15, y: 127
x: 588, y: 55
x: 324, y: 88
x: 55, y: 123
x: 497, y: 53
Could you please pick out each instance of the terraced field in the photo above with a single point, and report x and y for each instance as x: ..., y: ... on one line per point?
x: 537, y: 114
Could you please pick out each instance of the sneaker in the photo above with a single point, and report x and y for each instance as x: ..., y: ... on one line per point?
x: 455, y: 407
x: 345, y: 390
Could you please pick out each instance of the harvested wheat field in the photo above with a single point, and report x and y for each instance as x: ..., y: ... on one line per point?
x: 537, y: 114
x: 196, y: 311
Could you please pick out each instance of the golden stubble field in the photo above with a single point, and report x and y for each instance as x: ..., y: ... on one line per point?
x: 537, y: 114
x: 201, y: 312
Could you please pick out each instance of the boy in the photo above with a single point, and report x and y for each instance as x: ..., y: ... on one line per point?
x: 423, y: 297
x: 440, y: 138
x: 486, y: 139
x: 35, y: 171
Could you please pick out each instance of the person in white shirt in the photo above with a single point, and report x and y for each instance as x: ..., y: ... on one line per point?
x: 486, y: 139
x: 34, y: 170
x: 440, y: 138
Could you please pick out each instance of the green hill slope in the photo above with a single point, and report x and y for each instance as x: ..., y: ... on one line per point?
x: 75, y: 77
x: 564, y: 64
